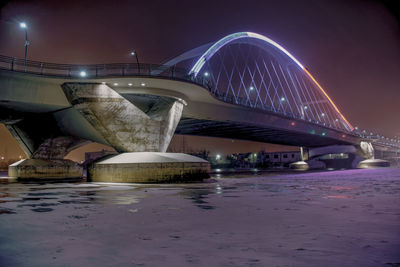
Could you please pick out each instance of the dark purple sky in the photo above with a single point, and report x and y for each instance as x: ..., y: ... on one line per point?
x: 351, y: 47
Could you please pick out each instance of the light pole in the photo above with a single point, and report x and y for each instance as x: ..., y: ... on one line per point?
x: 25, y: 27
x: 134, y: 53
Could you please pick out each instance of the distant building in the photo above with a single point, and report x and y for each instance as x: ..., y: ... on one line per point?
x: 282, y: 157
x: 261, y: 159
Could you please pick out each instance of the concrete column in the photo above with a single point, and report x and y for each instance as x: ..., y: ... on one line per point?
x: 123, y: 125
x: 303, y: 153
x: 169, y: 118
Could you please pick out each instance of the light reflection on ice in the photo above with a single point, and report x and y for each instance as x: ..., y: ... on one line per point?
x: 126, y: 200
x: 339, y: 197
x: 218, y: 189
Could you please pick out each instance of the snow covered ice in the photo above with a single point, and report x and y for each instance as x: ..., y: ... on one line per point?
x: 336, y: 218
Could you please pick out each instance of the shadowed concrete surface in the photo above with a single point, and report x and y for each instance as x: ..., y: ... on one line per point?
x: 338, y: 218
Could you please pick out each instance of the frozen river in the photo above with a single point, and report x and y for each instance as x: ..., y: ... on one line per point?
x: 337, y: 218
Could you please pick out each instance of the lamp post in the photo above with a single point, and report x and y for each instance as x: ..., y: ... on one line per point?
x: 23, y: 25
x: 134, y: 53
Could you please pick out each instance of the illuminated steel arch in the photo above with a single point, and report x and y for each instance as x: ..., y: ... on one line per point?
x: 321, y: 114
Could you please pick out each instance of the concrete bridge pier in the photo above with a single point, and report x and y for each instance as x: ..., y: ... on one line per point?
x: 368, y: 152
x: 149, y: 167
x: 145, y: 127
x: 339, y: 156
x: 40, y: 138
x: 48, y: 162
x: 301, y: 165
x: 140, y: 129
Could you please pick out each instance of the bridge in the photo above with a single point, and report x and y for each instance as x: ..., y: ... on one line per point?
x: 244, y: 86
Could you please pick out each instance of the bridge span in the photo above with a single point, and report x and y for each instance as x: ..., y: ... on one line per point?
x: 266, y: 95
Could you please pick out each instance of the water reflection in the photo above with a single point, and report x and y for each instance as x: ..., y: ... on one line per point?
x: 199, y: 196
x: 218, y: 189
x: 6, y: 211
x: 46, y: 197
x: 42, y: 209
x: 127, y: 199
x: 41, y: 197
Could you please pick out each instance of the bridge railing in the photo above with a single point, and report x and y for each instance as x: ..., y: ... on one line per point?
x: 98, y: 70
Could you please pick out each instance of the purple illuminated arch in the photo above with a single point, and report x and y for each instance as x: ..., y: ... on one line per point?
x: 230, y: 38
x: 240, y: 35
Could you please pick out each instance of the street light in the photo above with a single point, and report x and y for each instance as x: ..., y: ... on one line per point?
x: 23, y: 25
x: 134, y: 53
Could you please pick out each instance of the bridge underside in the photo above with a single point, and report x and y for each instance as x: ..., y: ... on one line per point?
x: 251, y: 132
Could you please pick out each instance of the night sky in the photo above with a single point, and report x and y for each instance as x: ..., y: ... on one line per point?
x: 351, y: 47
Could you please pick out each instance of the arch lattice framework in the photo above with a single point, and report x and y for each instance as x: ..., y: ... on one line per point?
x: 250, y: 69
